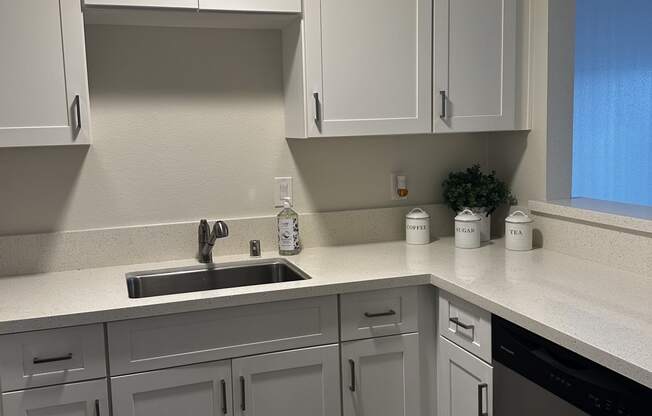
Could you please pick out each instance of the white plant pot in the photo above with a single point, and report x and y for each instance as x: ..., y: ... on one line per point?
x: 485, y: 224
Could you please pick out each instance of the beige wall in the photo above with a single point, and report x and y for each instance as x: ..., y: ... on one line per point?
x: 188, y: 123
x: 538, y: 163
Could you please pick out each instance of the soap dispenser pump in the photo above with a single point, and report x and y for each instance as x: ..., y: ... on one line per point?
x: 288, y: 230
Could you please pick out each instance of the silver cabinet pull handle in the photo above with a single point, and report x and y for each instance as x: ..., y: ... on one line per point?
x: 375, y: 315
x: 77, y: 105
x: 457, y: 322
x: 317, y: 109
x: 224, y: 408
x: 352, y: 367
x: 443, y: 104
x: 66, y: 357
x: 97, y: 408
x: 483, y: 386
x: 243, y: 405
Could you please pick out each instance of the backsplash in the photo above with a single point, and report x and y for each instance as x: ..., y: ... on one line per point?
x: 38, y: 253
x: 621, y: 248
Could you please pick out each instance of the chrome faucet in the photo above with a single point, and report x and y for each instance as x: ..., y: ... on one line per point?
x: 207, y: 239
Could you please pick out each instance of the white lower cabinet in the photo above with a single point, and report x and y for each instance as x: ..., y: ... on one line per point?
x: 289, y: 383
x: 88, y: 398
x: 198, y: 390
x: 380, y: 376
x: 465, y: 382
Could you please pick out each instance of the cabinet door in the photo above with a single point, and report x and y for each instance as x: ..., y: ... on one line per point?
x: 381, y: 376
x: 475, y: 65
x: 198, y: 390
x: 79, y: 399
x: 465, y: 382
x: 44, y: 99
x: 296, y: 382
x: 368, y: 67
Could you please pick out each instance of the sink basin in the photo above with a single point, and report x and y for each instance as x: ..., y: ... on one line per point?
x: 209, y: 277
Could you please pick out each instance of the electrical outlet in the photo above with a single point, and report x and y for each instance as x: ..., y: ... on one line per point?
x: 282, y: 189
x: 395, y: 179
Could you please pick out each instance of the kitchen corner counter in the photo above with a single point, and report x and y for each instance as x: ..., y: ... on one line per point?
x: 599, y: 312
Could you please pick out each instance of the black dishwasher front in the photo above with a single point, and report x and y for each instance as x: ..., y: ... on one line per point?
x: 534, y: 376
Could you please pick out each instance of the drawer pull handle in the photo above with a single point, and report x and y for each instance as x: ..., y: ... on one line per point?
x: 352, y: 367
x: 481, y: 387
x: 457, y: 322
x: 243, y: 405
x: 224, y: 408
x: 376, y: 315
x: 97, y: 408
x: 52, y: 359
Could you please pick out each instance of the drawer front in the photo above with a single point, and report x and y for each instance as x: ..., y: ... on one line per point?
x: 167, y: 341
x: 379, y: 312
x: 56, y: 356
x: 465, y: 324
x: 89, y: 398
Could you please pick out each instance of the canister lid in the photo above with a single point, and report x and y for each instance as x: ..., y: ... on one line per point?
x: 518, y: 217
x: 467, y: 216
x: 417, y: 213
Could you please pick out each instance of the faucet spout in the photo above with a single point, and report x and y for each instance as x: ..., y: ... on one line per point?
x: 207, y: 241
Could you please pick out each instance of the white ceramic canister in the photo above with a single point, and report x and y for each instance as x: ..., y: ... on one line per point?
x: 467, y: 229
x: 518, y: 232
x: 417, y: 227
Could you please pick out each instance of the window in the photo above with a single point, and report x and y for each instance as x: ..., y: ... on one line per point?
x: 612, y: 120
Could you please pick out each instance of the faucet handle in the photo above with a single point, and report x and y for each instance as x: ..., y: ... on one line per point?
x: 220, y: 230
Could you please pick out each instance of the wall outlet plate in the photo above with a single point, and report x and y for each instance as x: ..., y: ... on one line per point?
x: 394, y: 196
x: 282, y: 189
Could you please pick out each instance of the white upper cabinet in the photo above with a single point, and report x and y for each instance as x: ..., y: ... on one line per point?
x: 43, y: 83
x: 367, y: 68
x: 475, y: 65
x: 176, y: 4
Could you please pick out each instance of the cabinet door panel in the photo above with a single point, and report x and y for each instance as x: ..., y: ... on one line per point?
x: 381, y: 376
x: 198, y: 390
x: 475, y: 64
x: 465, y: 382
x: 368, y: 61
x: 80, y: 399
x: 296, y: 382
x: 44, y: 98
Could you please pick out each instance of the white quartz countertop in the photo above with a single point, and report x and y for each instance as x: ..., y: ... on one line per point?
x: 599, y: 312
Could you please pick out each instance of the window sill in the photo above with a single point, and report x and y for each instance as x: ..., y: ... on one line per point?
x: 637, y: 218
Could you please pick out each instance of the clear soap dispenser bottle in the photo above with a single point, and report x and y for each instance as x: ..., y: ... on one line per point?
x: 288, y: 230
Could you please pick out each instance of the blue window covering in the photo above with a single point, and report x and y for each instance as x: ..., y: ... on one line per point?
x: 612, y: 121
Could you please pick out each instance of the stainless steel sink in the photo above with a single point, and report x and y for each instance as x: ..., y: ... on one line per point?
x: 198, y: 278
